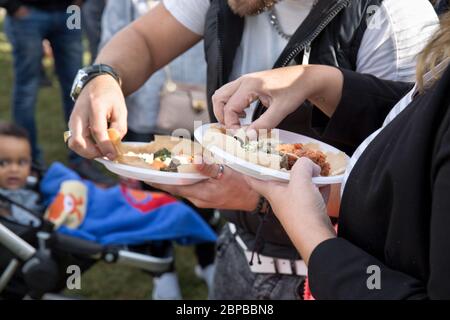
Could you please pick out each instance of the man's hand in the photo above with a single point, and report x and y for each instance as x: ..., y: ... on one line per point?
x: 136, y: 52
x: 101, y: 105
x: 230, y: 192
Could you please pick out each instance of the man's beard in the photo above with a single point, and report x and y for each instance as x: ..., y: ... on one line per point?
x: 250, y: 7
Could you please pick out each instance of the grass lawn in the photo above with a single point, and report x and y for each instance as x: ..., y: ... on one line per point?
x: 102, y: 281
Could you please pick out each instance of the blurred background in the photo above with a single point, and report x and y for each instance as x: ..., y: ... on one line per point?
x: 103, y: 281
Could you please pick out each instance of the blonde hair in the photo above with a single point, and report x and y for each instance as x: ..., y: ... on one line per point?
x: 437, y: 50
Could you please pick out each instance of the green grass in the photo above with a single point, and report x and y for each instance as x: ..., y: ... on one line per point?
x: 103, y: 281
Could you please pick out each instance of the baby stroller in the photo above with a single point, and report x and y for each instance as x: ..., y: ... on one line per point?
x: 34, y: 258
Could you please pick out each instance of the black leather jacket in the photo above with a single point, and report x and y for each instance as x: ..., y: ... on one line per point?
x: 333, y: 30
x: 442, y: 6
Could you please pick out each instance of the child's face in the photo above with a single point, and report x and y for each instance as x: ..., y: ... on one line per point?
x: 15, y: 162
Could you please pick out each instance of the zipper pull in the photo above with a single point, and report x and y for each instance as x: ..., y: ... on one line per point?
x: 306, y: 55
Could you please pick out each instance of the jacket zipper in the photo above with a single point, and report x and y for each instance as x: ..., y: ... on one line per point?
x: 306, y: 55
x: 304, y: 44
x: 307, y: 42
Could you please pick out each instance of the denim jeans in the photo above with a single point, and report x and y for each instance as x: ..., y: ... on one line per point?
x: 233, y: 279
x: 26, y: 36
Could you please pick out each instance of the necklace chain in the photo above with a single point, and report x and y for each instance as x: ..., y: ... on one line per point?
x: 275, y: 22
x: 276, y: 25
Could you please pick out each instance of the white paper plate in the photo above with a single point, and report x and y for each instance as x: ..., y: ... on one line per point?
x: 263, y: 173
x: 149, y: 175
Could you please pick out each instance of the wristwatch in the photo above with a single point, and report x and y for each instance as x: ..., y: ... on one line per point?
x: 87, y: 74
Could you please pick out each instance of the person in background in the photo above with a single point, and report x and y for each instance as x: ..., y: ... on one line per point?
x: 143, y: 107
x: 15, y: 168
x: 92, y: 12
x: 27, y: 24
x: 45, y: 81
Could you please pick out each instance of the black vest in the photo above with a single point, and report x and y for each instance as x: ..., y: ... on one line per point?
x: 333, y: 30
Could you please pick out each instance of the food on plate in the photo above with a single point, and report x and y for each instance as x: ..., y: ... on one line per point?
x: 268, y: 151
x: 165, y: 153
x: 292, y: 152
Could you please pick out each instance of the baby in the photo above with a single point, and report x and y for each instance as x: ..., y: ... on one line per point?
x: 15, y: 168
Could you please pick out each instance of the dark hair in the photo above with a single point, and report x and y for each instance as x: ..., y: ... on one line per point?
x: 13, y: 130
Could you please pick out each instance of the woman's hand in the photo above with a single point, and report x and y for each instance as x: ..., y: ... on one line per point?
x: 230, y: 191
x: 300, y: 206
x: 275, y: 89
x: 281, y: 90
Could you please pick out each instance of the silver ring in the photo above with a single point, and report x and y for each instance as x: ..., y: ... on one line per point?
x: 220, y: 172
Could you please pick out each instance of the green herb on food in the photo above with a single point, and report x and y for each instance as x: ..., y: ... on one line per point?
x: 162, y: 154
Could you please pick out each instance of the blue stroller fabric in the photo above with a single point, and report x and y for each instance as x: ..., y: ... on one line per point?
x: 120, y: 215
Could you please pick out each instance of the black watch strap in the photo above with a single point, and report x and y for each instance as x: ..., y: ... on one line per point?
x: 88, y: 73
x: 100, y: 69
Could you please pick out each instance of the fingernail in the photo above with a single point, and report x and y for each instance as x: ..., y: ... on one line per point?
x: 252, y: 134
x: 110, y: 156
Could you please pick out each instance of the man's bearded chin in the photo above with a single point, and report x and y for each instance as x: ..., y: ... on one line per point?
x: 250, y: 7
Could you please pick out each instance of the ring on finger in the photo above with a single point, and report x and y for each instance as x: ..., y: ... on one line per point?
x: 220, y: 172
x: 67, y: 136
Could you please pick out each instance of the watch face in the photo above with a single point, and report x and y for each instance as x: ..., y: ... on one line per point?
x: 78, y: 84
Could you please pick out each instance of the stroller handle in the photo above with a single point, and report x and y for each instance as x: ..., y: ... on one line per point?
x: 19, y: 247
x: 75, y: 245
